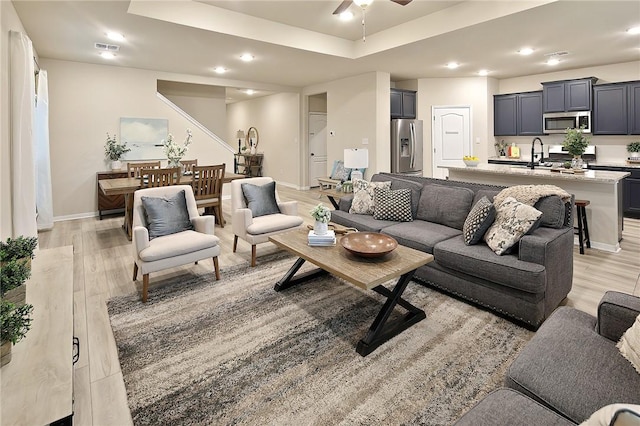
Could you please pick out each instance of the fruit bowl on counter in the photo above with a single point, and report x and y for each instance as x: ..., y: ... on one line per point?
x: 470, y: 161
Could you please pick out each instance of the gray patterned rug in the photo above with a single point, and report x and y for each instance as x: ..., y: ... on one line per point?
x: 237, y: 352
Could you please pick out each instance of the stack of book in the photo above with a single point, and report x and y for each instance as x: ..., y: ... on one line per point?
x: 328, y: 239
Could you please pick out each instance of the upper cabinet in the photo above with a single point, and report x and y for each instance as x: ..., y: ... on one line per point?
x: 616, y: 109
x: 403, y: 103
x: 568, y: 95
x: 517, y: 114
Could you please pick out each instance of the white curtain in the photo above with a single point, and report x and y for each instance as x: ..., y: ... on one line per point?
x: 23, y: 187
x: 44, y: 200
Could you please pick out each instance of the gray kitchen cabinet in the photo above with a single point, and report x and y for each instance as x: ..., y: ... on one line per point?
x: 529, y: 121
x: 630, y: 189
x: 568, y: 95
x: 403, y: 103
x: 517, y: 114
x: 610, y: 115
x: 633, y: 93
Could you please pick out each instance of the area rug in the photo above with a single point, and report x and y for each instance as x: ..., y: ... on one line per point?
x: 235, y: 351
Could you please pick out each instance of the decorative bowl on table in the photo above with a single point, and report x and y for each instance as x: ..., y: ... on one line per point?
x: 471, y: 161
x: 368, y: 244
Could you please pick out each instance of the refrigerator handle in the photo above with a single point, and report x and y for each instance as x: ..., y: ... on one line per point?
x: 413, y: 145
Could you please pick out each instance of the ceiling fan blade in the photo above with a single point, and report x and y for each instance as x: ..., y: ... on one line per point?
x: 343, y: 6
x: 402, y: 2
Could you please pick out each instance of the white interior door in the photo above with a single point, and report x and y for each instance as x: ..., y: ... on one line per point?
x: 451, y: 137
x: 317, y: 147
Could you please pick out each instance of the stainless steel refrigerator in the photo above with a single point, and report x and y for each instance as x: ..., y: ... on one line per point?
x: 406, y: 146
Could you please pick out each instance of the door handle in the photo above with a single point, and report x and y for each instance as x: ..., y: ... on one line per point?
x: 312, y: 154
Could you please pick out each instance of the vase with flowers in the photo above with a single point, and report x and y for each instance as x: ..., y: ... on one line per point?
x: 322, y: 216
x: 114, y: 151
x: 175, y: 151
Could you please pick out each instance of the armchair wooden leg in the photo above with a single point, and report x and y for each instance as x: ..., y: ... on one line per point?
x: 235, y: 243
x: 135, y: 271
x: 145, y: 287
x: 216, y: 267
x: 253, y: 255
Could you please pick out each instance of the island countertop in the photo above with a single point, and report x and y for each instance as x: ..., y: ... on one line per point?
x: 543, y: 173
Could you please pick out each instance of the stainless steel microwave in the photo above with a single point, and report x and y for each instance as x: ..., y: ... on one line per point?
x: 559, y: 122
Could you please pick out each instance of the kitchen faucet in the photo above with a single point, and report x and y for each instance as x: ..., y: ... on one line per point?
x: 533, y: 146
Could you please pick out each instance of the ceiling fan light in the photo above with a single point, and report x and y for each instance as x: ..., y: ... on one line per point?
x: 346, y: 16
x: 362, y: 3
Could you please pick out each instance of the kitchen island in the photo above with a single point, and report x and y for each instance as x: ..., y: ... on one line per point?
x: 602, y: 188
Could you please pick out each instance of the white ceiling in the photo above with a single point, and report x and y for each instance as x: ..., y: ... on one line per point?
x: 300, y: 43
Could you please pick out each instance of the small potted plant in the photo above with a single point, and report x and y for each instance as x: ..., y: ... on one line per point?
x: 634, y: 150
x: 575, y: 142
x: 15, y: 321
x: 20, y: 248
x: 114, y: 151
x: 322, y: 216
x: 13, y: 275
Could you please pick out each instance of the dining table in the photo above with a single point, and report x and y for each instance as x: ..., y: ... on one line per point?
x: 127, y: 186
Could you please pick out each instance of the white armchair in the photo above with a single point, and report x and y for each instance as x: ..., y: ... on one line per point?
x: 168, y: 251
x: 256, y: 230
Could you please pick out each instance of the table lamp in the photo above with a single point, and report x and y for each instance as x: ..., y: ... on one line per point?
x: 355, y: 159
x: 240, y: 136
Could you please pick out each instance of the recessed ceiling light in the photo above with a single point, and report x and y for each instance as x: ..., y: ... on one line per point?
x: 346, y: 16
x: 553, y: 61
x: 115, y: 36
x: 634, y: 30
x: 247, y: 57
x: 107, y: 55
x: 525, y: 51
x: 452, y: 65
x: 249, y: 91
x: 483, y: 72
x: 220, y: 70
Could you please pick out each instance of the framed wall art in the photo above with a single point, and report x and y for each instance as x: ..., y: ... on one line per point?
x: 144, y: 136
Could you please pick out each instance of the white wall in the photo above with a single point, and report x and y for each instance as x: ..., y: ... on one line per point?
x: 85, y: 102
x: 210, y: 112
x: 277, y: 118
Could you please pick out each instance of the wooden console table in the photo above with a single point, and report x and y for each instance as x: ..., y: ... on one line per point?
x: 249, y: 165
x: 37, y: 385
x: 110, y: 202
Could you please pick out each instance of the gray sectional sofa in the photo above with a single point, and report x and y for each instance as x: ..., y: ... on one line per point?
x: 569, y: 370
x: 526, y: 285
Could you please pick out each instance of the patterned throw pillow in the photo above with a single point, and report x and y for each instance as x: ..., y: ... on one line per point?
x: 363, y: 195
x: 629, y: 344
x: 513, y: 220
x: 480, y: 218
x: 392, y: 204
x: 340, y: 172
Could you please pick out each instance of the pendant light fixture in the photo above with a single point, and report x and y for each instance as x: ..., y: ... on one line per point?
x: 363, y: 4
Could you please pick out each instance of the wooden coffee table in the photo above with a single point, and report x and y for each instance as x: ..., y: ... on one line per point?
x: 366, y: 273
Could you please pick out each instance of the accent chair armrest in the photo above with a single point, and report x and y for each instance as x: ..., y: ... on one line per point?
x: 616, y: 313
x: 240, y: 220
x: 290, y: 208
x: 204, y: 224
x: 140, y: 239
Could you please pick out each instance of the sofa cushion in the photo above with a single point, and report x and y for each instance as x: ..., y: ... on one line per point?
x: 570, y: 367
x: 170, y: 246
x: 166, y: 215
x: 480, y: 261
x: 397, y: 183
x: 420, y: 235
x: 513, y: 220
x: 629, y: 345
x: 446, y: 205
x: 363, y: 195
x: 392, y: 204
x: 361, y: 222
x: 552, y: 209
x: 480, y: 218
x: 261, y: 199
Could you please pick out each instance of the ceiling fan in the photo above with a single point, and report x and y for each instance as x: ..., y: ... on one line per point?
x: 363, y: 3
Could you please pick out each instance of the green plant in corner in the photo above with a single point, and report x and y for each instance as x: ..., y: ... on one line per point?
x: 18, y: 248
x: 15, y: 321
x: 114, y: 150
x: 12, y: 274
x: 575, y: 141
x: 633, y: 147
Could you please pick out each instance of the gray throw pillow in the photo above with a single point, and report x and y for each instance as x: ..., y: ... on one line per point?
x: 261, y: 200
x: 392, y: 204
x: 446, y: 205
x: 166, y: 216
x: 480, y: 218
x: 552, y: 209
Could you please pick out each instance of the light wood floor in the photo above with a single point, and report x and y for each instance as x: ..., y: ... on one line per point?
x: 103, y: 269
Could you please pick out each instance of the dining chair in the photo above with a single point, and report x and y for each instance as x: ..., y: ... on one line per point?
x: 207, y: 188
x: 134, y: 168
x: 154, y: 178
x: 187, y: 165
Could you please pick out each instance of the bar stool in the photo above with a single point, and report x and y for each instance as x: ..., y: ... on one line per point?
x: 583, y: 227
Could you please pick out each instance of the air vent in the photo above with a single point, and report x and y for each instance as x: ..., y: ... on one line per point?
x: 562, y: 53
x: 107, y: 47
